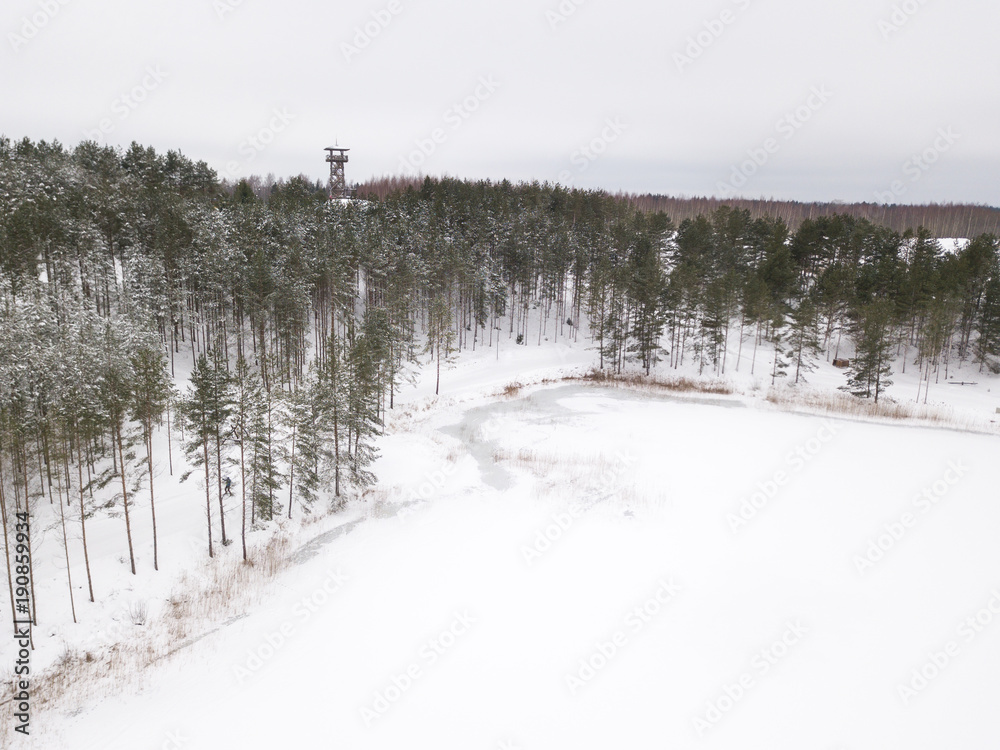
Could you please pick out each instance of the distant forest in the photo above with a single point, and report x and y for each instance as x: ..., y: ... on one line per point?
x: 945, y: 220
x: 940, y: 219
x: 140, y: 295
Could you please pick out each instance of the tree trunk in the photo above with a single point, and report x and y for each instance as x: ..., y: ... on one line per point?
x: 336, y: 445
x: 69, y: 572
x: 243, y: 492
x: 291, y: 473
x: 437, y: 384
x: 152, y: 501
x: 218, y: 476
x: 83, y: 519
x: 208, y: 493
x: 128, y: 523
x: 170, y: 452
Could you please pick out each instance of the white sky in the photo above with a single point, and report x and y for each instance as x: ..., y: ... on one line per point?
x: 228, y: 65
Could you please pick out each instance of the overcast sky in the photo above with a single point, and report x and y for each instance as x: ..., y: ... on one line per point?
x: 846, y: 100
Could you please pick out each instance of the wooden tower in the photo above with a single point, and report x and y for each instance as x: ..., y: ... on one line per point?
x: 337, y: 157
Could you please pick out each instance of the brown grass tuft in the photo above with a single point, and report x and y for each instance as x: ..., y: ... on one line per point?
x: 838, y: 403
x: 511, y: 390
x: 639, y: 381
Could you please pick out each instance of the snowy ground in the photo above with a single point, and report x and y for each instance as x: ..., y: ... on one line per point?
x: 584, y: 567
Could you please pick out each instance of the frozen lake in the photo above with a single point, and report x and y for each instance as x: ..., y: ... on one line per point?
x: 594, y: 569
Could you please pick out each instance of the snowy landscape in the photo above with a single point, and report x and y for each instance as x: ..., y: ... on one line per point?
x: 550, y: 561
x: 537, y: 375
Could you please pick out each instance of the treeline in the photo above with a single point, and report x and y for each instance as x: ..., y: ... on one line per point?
x: 948, y: 220
x: 941, y: 220
x: 140, y: 298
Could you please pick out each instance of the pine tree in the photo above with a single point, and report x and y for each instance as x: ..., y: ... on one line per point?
x: 307, y: 421
x: 264, y: 456
x: 207, y: 410
x: 117, y: 376
x: 803, y: 340
x: 934, y: 336
x: 334, y: 378
x: 80, y: 405
x: 248, y: 427
x: 365, y: 360
x: 150, y: 392
x: 439, y: 335
x: 779, y: 364
x: 648, y: 288
x: 977, y: 265
x: 988, y: 326
x: 871, y: 329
